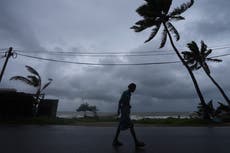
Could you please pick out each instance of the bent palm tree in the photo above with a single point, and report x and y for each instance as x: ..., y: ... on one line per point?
x: 155, y: 13
x: 33, y: 80
x: 197, y: 58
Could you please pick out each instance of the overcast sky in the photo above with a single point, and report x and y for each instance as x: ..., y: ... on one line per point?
x: 104, y: 26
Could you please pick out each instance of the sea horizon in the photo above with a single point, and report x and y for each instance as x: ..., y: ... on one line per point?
x: 134, y: 115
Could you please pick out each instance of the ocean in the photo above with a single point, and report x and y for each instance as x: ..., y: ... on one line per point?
x: 134, y: 115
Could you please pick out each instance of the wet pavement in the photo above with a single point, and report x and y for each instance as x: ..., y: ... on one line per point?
x: 80, y: 139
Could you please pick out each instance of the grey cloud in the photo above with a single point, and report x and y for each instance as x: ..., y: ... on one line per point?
x: 212, y: 20
x: 14, y: 29
x: 103, y: 26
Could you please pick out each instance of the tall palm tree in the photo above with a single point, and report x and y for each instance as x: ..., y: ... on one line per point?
x: 33, y: 80
x: 197, y: 58
x: 155, y: 14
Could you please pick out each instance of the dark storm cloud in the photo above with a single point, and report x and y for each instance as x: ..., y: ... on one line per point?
x: 211, y: 20
x: 14, y: 29
x: 103, y: 26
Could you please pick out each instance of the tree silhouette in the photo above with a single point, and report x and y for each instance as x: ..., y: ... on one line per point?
x: 86, y: 107
x: 197, y: 58
x: 33, y: 80
x: 94, y: 110
x: 83, y: 108
x: 155, y: 14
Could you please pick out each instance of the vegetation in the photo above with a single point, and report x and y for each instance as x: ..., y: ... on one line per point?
x: 220, y: 114
x: 197, y: 58
x: 33, y: 80
x: 155, y: 14
x: 112, y: 121
x: 86, y: 107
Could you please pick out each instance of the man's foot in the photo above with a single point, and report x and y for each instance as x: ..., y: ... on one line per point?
x: 117, y: 143
x: 140, y: 144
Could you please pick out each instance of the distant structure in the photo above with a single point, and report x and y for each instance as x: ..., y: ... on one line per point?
x: 15, y: 104
x: 48, y: 108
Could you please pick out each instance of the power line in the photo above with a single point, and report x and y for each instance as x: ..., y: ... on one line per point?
x: 91, y: 53
x: 107, y: 64
x: 220, y: 55
x: 97, y: 64
x: 107, y: 55
x: 103, y: 54
x: 220, y: 48
x: 5, y: 49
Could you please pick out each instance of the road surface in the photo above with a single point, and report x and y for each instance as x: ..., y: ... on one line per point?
x: 80, y: 139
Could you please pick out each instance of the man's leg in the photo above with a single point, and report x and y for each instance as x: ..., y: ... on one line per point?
x: 137, y: 143
x: 115, y: 140
x: 133, y: 134
x: 117, y: 133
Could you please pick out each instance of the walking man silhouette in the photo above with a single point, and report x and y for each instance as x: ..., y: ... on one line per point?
x: 125, y: 121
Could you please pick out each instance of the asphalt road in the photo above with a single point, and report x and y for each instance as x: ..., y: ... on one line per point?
x: 79, y: 139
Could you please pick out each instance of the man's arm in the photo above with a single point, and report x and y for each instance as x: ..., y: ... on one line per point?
x: 120, y: 104
x: 119, y: 108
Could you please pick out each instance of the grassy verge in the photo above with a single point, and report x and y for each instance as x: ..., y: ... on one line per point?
x: 109, y: 121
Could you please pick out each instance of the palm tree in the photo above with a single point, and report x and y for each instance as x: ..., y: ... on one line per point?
x: 197, y: 58
x: 33, y: 80
x: 155, y: 13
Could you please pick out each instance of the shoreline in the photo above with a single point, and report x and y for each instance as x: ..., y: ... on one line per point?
x: 110, y: 122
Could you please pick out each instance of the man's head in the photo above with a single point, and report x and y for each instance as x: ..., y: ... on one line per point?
x: 132, y: 87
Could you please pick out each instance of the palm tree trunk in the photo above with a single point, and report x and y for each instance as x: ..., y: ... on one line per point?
x: 206, y: 116
x: 218, y: 86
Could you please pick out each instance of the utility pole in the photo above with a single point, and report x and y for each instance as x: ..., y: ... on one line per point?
x: 8, y: 55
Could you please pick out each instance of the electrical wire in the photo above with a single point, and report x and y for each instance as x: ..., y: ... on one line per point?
x: 115, y: 52
x: 97, y: 64
x: 108, y: 64
x: 100, y: 54
x: 90, y: 53
x: 220, y: 55
x: 107, y: 55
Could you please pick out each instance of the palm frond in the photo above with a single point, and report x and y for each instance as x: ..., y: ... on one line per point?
x: 191, y: 61
x: 203, y: 47
x: 154, y: 8
x: 188, y: 56
x: 148, y: 10
x: 165, y: 5
x: 177, y: 18
x: 154, y: 32
x: 173, y: 30
x: 34, y: 79
x: 214, y: 60
x: 32, y: 70
x: 193, y: 47
x: 182, y: 8
x: 23, y: 79
x: 144, y: 24
x: 187, y: 53
x: 207, y: 53
x: 137, y: 28
x: 164, y: 38
x: 47, y: 84
x: 206, y: 68
x: 195, y: 66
